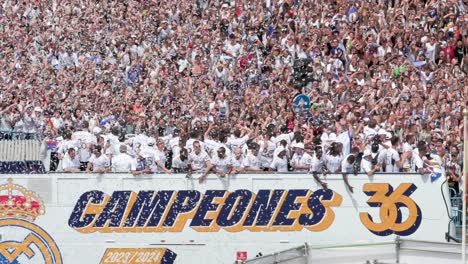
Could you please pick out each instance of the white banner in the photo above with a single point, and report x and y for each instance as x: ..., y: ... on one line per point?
x: 119, y: 218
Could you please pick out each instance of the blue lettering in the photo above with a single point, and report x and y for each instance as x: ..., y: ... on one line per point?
x: 185, y: 202
x: 316, y: 206
x: 237, y: 201
x: 289, y: 205
x: 114, y: 210
x: 263, y: 208
x: 148, y: 203
x: 206, y: 205
x: 78, y: 219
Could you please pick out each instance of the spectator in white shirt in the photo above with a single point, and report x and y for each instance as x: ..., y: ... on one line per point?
x: 238, y: 138
x: 98, y: 162
x: 282, y: 144
x: 123, y: 162
x: 71, y: 162
x: 84, y: 136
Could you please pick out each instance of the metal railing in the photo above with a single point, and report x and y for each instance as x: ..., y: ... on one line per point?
x: 456, y: 206
x: 297, y: 255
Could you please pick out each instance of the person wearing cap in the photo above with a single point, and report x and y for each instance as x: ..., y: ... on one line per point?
x: 32, y: 121
x: 98, y: 162
x: 301, y: 160
x: 123, y: 162
x: 280, y: 161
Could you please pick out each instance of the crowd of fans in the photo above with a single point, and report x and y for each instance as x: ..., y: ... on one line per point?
x: 209, y: 85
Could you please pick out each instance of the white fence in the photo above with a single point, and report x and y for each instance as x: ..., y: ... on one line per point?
x: 20, y: 150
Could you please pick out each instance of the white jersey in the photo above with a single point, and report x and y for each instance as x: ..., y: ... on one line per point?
x: 333, y: 163
x: 99, y: 163
x: 123, y: 163
x: 417, y: 162
x: 177, y: 163
x: 141, y: 141
x: 345, y: 139
x: 69, y: 163
x: 317, y: 164
x: 407, y: 165
x: 114, y: 141
x: 176, y: 151
x: 302, y: 160
x: 221, y: 165
x: 288, y: 137
x: 234, y: 142
x: 173, y: 143
x: 159, y: 156
x: 266, y: 152
x: 65, y: 145
x: 84, y: 137
x: 198, y: 161
x: 391, y: 159
x: 212, y: 146
x: 366, y: 165
x: 237, y: 163
x: 280, y: 148
x: 252, y: 161
x: 279, y: 164
x: 347, y: 167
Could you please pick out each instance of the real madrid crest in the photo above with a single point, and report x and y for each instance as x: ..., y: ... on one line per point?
x: 22, y: 240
